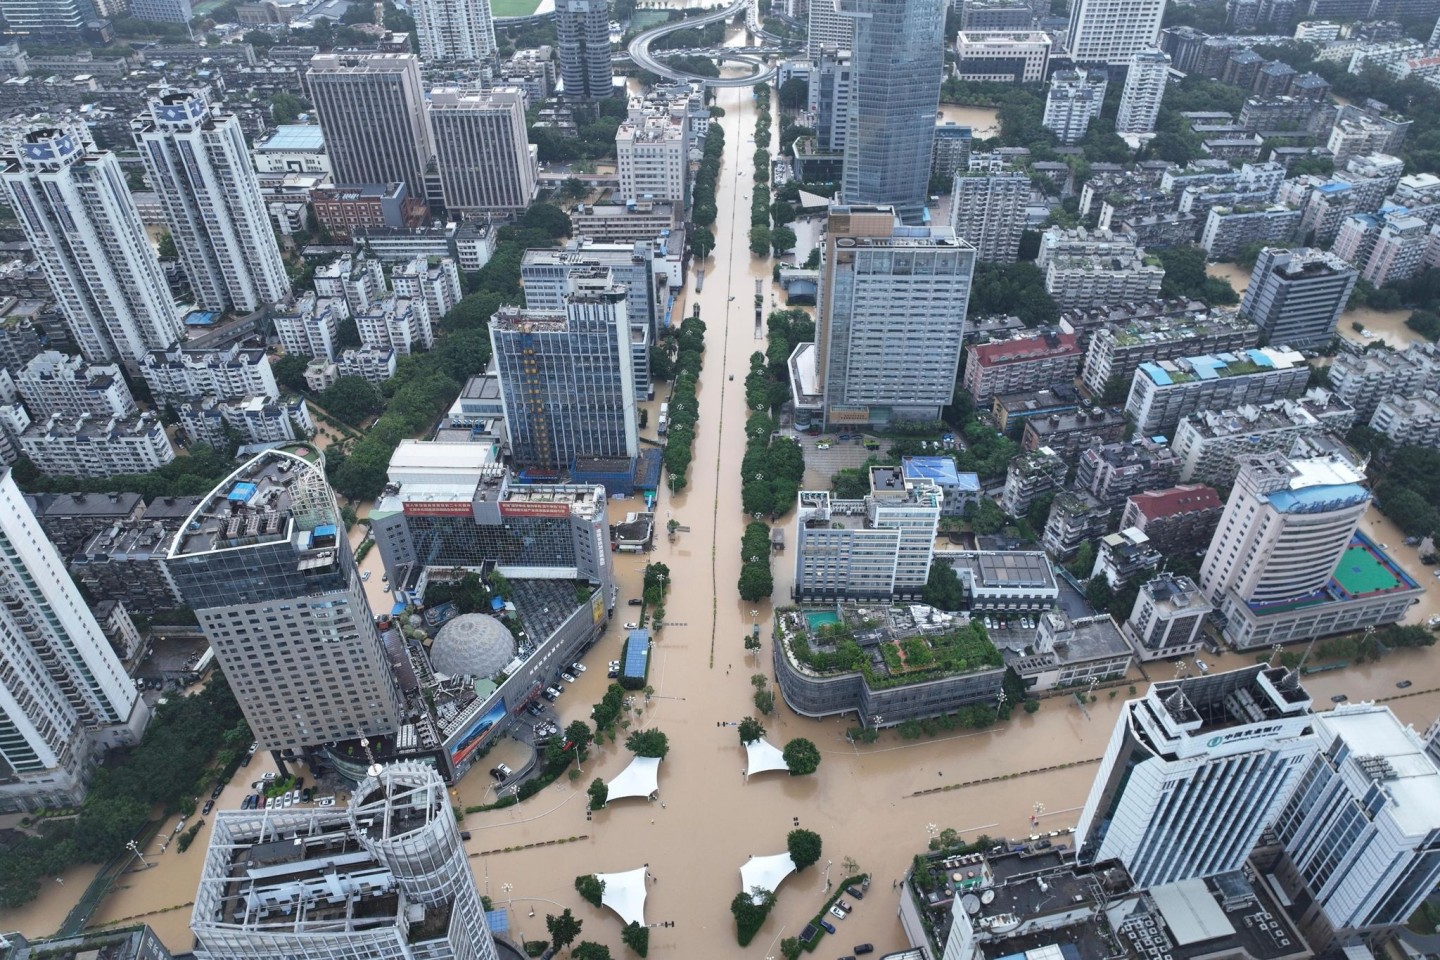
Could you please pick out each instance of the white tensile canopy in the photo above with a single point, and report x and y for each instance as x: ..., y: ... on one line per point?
x: 625, y: 894
x: 762, y: 757
x: 640, y: 779
x: 765, y: 872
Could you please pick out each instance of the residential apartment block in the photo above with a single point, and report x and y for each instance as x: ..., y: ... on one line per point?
x: 1209, y: 442
x: 1178, y: 520
x: 1016, y: 366
x: 1164, y: 393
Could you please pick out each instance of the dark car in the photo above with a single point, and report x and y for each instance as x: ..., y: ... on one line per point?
x: 829, y: 927
x: 219, y: 789
x: 1403, y: 684
x: 634, y: 601
x: 1339, y: 698
x: 612, y: 674
x: 209, y: 805
x: 864, y: 948
x: 855, y: 892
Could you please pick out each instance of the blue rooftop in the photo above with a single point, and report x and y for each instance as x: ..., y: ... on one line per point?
x: 241, y: 492
x: 1319, y: 498
x: 939, y: 469
x: 637, y: 651
x: 1333, y: 187
x: 293, y: 136
x: 1156, y: 373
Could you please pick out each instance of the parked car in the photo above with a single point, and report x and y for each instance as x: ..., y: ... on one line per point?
x: 209, y: 805
x: 828, y: 926
x: 267, y: 776
x: 577, y: 668
x: 843, y: 905
x: 1339, y: 698
x: 325, y: 802
x: 550, y: 693
x: 864, y: 948
x: 613, y: 673
x: 634, y: 601
x: 1403, y: 684
x: 857, y: 893
x: 567, y: 676
x: 836, y: 912
x: 632, y: 626
x: 365, y: 575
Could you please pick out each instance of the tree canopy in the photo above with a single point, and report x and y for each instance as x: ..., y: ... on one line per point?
x: 648, y: 743
x: 804, y: 847
x: 802, y: 757
x: 750, y: 730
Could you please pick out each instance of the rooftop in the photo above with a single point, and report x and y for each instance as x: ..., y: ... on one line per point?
x: 1407, y: 774
x: 278, y: 495
x: 1027, y: 349
x: 1173, y: 501
x: 290, y: 137
x: 1221, y: 365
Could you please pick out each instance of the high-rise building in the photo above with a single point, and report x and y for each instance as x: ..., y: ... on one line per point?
x: 828, y: 28
x: 1112, y: 31
x: 321, y: 894
x: 891, y: 317
x: 455, y: 30
x: 652, y: 153
x: 987, y: 211
x: 1361, y: 831
x: 64, y: 693
x: 897, y: 63
x: 1286, y: 561
x: 161, y: 11
x: 830, y: 97
x: 1144, y: 89
x: 481, y: 150
x: 84, y: 228
x: 265, y: 565
x: 876, y: 548
x: 1194, y: 772
x: 1168, y: 618
x: 1296, y: 296
x: 372, y: 108
x: 566, y: 379
x: 44, y: 17
x: 582, y: 34
x: 200, y: 167
x: 54, y: 382
x: 1072, y: 101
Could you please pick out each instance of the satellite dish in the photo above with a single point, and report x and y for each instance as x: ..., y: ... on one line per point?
x: 988, y: 897
x: 971, y: 903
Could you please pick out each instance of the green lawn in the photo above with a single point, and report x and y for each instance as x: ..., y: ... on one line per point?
x: 513, y: 8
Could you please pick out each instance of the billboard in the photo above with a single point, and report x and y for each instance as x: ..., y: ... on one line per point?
x: 477, y: 733
x: 522, y: 508
x: 597, y: 606
x: 438, y: 508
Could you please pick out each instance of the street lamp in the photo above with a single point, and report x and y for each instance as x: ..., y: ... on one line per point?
x: 827, y: 874
x: 133, y: 848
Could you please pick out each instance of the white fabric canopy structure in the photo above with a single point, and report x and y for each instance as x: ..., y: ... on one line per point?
x: 765, y: 872
x: 625, y: 894
x: 640, y: 779
x: 762, y: 757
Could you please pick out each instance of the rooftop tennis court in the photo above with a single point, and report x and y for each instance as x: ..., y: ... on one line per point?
x: 1361, y: 572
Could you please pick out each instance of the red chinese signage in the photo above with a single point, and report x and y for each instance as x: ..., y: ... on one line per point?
x: 438, y: 508
x: 512, y: 508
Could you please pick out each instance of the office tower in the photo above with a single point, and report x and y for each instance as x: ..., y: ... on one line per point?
x: 1002, y: 56
x: 1072, y: 101
x: 891, y: 317
x: 383, y: 877
x: 161, y: 11
x: 897, y: 62
x: 652, y: 153
x: 582, y: 34
x: 372, y: 109
x: 265, y: 565
x: 1112, y: 31
x: 481, y: 150
x: 828, y: 28
x: 1193, y: 773
x: 988, y: 212
x: 1361, y: 831
x: 1287, y: 562
x: 64, y: 695
x: 1144, y: 89
x: 830, y: 98
x: 876, y: 548
x: 83, y: 226
x: 565, y: 378
x: 1296, y: 296
x: 44, y: 17
x: 455, y: 30
x: 200, y: 167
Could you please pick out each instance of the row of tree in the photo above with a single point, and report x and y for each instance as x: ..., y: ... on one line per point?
x: 684, y: 404
x: 760, y: 235
x: 702, y: 207
x: 756, y: 580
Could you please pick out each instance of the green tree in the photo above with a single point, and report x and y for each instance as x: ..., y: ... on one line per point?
x: 591, y: 888
x: 782, y: 239
x: 286, y: 107
x: 547, y: 217
x: 563, y: 929
x: 750, y: 730
x: 750, y: 910
x: 648, y: 743
x: 760, y: 240
x: 599, y: 793
x: 804, y: 847
x: 802, y: 757
x: 352, y: 399
x: 794, y: 93
x: 752, y: 642
x: 166, y: 249
x: 636, y: 937
x: 289, y: 371
x: 590, y: 950
x: 578, y: 733
x: 765, y: 702
x: 791, y: 948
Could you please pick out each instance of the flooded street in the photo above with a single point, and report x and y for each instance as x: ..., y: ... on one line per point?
x: 868, y: 803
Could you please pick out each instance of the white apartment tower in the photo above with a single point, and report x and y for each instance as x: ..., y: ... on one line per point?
x: 1073, y: 99
x: 382, y: 878
x: 1285, y: 527
x: 1144, y: 89
x: 200, y: 167
x: 1361, y: 831
x: 455, y: 30
x: 1194, y: 771
x: 891, y: 316
x: 87, y: 234
x: 652, y: 153
x: 64, y: 695
x: 987, y: 211
x: 1112, y: 31
x: 827, y: 28
x: 482, y: 150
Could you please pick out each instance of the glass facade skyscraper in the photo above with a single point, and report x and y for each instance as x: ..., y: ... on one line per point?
x: 897, y: 62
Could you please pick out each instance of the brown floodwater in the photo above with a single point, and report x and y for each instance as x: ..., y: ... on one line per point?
x: 862, y: 801
x: 982, y: 121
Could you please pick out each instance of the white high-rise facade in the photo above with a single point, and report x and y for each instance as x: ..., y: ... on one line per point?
x: 1113, y: 31
x: 1361, y: 831
x: 454, y: 29
x: 200, y: 167
x: 481, y: 149
x: 1285, y: 527
x: 891, y: 316
x: 1144, y: 89
x: 988, y: 212
x: 64, y: 695
x: 81, y: 222
x: 1194, y: 772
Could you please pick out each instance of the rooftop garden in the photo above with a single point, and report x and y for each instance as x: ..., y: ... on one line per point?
x: 903, y: 659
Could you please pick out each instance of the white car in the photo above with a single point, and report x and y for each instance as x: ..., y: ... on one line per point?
x: 325, y: 802
x: 577, y: 667
x: 632, y: 626
x: 267, y: 776
x: 365, y: 575
x: 568, y: 677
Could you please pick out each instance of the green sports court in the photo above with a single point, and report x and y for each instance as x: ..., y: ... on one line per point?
x: 1361, y: 572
